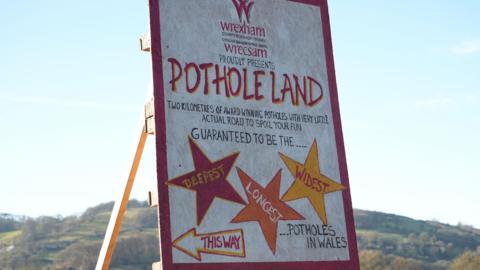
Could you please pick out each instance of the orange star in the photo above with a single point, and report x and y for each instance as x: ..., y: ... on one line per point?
x: 265, y: 207
x: 309, y: 182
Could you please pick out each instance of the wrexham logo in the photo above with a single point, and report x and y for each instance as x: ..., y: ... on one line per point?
x: 243, y: 7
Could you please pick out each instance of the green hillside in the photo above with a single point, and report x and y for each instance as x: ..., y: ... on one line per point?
x: 386, y: 241
x: 431, y: 244
x: 74, y: 242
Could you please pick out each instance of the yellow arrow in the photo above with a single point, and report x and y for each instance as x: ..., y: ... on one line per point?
x: 226, y: 243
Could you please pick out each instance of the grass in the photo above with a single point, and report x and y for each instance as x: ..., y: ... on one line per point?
x: 8, y: 237
x: 375, y: 235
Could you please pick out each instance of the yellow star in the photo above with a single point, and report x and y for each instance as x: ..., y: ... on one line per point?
x: 309, y: 182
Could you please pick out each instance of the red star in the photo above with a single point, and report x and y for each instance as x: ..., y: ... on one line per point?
x: 208, y: 180
x: 265, y: 207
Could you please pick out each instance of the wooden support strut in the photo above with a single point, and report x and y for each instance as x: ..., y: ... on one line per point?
x: 115, y: 222
x: 113, y: 229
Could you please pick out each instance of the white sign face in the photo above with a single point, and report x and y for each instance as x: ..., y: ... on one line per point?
x: 249, y: 134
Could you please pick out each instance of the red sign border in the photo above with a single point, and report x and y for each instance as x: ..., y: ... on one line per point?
x: 162, y: 174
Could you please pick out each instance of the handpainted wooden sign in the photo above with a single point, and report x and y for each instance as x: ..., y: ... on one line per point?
x: 250, y: 156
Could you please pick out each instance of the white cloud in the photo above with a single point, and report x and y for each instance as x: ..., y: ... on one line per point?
x: 467, y: 47
x: 473, y: 98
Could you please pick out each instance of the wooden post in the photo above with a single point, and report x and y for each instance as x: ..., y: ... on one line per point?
x: 119, y: 209
x: 157, y: 266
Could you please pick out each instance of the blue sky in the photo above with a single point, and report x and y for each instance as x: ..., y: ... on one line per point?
x: 73, y: 82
